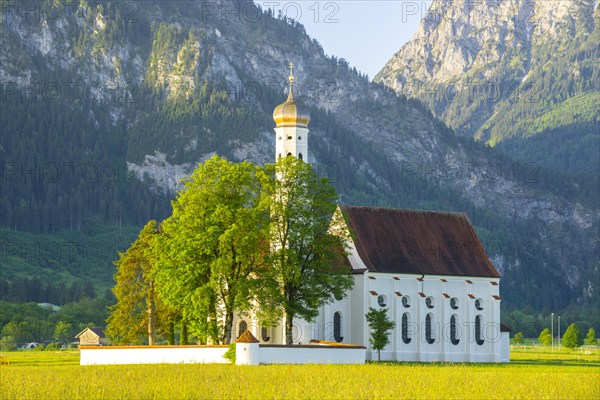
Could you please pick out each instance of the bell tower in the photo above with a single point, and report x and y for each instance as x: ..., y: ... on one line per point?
x: 291, y: 127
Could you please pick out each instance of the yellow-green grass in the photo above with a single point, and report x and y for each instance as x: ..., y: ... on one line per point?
x: 27, y: 376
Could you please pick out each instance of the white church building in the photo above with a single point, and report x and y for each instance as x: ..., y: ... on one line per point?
x: 428, y: 269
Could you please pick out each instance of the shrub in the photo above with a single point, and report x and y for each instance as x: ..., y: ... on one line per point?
x: 230, y: 353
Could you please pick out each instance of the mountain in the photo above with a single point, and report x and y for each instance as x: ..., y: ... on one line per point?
x: 105, y: 107
x: 517, y: 74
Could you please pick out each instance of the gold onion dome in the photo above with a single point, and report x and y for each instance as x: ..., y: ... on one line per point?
x: 289, y: 113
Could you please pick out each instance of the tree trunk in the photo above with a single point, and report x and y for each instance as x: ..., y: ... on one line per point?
x: 226, y: 338
x: 150, y: 322
x: 183, y: 339
x: 378, y: 355
x: 288, y: 328
x: 171, y: 333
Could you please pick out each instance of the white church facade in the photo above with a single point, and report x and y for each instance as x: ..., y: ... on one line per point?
x: 428, y: 269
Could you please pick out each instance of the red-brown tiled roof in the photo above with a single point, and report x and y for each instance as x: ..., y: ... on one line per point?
x: 504, y: 328
x: 374, y: 293
x: 417, y: 242
x: 247, y: 337
x: 398, y: 293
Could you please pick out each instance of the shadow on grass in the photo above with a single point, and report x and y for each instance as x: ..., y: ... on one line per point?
x: 564, y: 363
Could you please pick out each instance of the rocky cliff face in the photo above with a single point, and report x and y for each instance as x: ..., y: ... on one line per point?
x: 186, y: 81
x: 496, y: 69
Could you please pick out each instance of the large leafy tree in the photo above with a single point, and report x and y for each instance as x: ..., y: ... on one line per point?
x: 380, y: 325
x: 303, y: 249
x: 215, y: 246
x: 138, y: 309
x: 572, y: 337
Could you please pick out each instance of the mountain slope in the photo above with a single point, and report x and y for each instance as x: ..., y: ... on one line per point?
x: 506, y: 71
x: 160, y: 89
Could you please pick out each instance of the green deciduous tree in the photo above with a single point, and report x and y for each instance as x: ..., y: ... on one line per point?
x: 63, y: 332
x: 545, y: 337
x: 215, y: 246
x: 303, y: 250
x: 572, y: 337
x: 519, y: 339
x: 380, y: 325
x: 591, y: 337
x: 138, y: 309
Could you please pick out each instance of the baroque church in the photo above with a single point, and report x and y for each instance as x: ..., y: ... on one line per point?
x: 428, y: 269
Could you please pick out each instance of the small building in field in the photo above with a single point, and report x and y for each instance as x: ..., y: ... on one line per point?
x: 92, y: 337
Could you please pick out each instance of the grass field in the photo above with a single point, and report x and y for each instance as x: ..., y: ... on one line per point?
x: 533, y: 374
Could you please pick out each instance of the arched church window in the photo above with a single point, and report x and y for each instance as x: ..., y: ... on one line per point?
x: 382, y: 300
x: 300, y: 156
x: 337, y: 327
x: 429, y: 302
x: 454, y: 303
x: 478, y: 332
x: 242, y: 327
x: 264, y: 334
x: 299, y: 137
x: 279, y: 155
x: 454, y: 333
x: 290, y: 138
x: 406, y: 301
x: 405, y: 320
x: 289, y: 154
x: 429, y: 329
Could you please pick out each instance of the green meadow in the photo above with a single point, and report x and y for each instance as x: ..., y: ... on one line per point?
x: 532, y: 374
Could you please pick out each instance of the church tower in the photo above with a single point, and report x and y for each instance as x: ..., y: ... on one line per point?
x: 291, y: 127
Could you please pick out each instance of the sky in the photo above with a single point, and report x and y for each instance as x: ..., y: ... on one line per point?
x: 367, y: 33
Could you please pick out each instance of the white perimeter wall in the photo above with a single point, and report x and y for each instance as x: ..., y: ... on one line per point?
x: 311, y: 355
x: 317, y: 354
x: 153, y: 355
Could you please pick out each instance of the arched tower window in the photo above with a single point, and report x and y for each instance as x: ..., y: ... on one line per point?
x: 454, y: 333
x: 242, y: 327
x: 478, y: 329
x: 429, y: 329
x: 289, y: 154
x: 300, y: 156
x: 406, y: 301
x: 337, y: 327
x: 405, y: 320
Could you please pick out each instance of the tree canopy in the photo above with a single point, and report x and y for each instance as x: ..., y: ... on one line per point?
x: 545, y: 337
x: 138, y: 308
x: 572, y: 337
x: 242, y: 239
x: 303, y: 248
